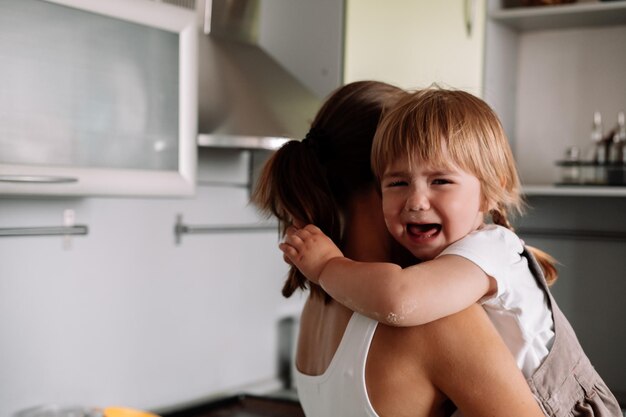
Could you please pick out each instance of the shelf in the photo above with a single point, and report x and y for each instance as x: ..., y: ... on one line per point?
x: 574, y: 190
x: 562, y: 16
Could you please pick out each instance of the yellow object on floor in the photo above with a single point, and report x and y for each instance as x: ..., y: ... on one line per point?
x: 126, y: 412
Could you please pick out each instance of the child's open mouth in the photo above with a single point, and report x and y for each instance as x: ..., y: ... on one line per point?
x: 423, y: 231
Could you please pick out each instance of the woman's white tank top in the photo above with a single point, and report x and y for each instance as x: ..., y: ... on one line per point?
x: 341, y: 390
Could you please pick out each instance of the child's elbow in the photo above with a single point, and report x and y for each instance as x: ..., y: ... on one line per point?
x: 401, y: 312
x: 395, y: 320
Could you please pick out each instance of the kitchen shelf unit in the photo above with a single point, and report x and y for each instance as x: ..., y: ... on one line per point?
x: 545, y: 75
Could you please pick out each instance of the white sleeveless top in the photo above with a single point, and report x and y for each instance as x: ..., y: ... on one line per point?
x: 519, y: 310
x: 341, y: 390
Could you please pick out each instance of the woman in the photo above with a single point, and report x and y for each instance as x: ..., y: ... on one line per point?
x: 349, y: 365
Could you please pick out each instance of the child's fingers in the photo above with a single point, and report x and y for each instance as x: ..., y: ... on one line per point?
x: 296, y: 235
x: 288, y: 250
x: 293, y: 240
x: 311, y: 228
x: 304, y: 233
x: 291, y: 230
x: 308, y: 232
x: 287, y: 260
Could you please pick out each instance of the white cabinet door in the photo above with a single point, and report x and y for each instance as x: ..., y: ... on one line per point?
x: 414, y: 43
x: 97, y: 98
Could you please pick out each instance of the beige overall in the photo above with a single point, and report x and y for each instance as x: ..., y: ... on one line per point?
x: 566, y: 384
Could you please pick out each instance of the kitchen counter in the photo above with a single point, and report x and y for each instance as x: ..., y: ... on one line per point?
x: 244, y: 405
x: 282, y: 404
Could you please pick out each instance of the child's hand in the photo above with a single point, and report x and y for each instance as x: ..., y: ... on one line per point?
x: 309, y: 250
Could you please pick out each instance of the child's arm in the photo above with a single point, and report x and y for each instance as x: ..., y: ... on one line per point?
x: 383, y: 291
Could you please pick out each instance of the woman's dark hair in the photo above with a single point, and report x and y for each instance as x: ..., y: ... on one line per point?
x: 312, y: 180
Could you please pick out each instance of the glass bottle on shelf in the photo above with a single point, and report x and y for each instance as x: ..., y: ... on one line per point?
x: 599, y: 152
x: 622, y: 140
x: 617, y: 140
x: 617, y: 154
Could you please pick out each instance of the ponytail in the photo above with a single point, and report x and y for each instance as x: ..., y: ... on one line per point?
x: 314, y: 180
x: 293, y: 186
x: 546, y: 262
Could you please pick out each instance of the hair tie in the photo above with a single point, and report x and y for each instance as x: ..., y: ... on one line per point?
x: 317, y: 141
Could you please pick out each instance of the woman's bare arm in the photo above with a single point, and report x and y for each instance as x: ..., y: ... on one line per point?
x: 411, y: 371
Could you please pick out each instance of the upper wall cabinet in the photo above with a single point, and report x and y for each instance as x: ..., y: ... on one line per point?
x: 414, y: 43
x: 548, y: 69
x: 97, y: 98
x: 566, y: 16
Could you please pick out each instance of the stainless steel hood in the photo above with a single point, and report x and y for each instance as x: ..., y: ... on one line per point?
x: 246, y: 98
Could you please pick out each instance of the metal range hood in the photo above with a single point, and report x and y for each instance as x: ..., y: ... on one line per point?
x: 246, y: 98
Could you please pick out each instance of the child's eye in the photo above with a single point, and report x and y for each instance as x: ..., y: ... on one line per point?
x: 441, y: 181
x: 396, y: 183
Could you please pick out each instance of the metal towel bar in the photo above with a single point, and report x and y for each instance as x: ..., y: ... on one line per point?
x: 180, y: 228
x: 44, y: 231
x: 68, y: 228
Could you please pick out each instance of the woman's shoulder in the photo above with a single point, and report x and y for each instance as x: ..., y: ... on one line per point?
x: 448, y: 333
x: 424, y: 359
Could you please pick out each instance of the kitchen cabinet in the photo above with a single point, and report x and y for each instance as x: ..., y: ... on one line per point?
x: 98, y: 98
x: 547, y: 70
x: 413, y: 43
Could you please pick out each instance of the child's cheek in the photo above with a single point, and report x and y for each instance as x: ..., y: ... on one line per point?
x: 394, y: 227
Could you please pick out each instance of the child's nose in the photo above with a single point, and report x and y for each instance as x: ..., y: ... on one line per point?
x: 417, y: 201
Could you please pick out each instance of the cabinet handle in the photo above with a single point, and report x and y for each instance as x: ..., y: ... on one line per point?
x: 37, y: 179
x: 469, y: 10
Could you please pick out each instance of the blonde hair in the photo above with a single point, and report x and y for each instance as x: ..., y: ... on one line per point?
x: 452, y: 127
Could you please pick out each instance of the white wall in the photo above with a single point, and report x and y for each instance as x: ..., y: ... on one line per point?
x: 127, y: 317
x: 414, y: 43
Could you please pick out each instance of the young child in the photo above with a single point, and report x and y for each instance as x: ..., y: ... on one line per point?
x: 444, y: 163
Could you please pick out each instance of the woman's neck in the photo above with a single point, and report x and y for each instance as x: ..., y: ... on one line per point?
x: 365, y: 234
x: 322, y: 324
